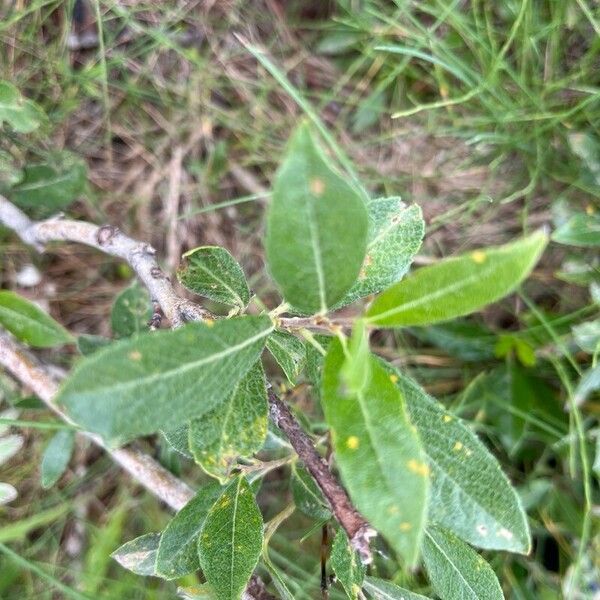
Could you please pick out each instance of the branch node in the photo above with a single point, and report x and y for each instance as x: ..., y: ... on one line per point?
x: 105, y: 234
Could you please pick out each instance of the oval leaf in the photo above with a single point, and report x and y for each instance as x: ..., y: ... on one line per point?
x: 289, y: 352
x: 231, y: 541
x: 580, y: 230
x: 139, y: 555
x: 131, y: 311
x: 29, y: 323
x: 384, y: 590
x: 9, y: 446
x: 7, y: 493
x: 56, y: 457
x: 346, y: 565
x: 457, y: 286
x: 316, y: 228
x: 212, y: 272
x: 470, y: 495
x: 177, y: 552
x: 21, y: 114
x: 395, y: 235
x: 378, y: 452
x: 237, y: 427
x: 456, y: 571
x: 162, y: 379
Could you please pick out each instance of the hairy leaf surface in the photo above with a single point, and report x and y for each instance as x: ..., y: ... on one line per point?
x: 236, y: 427
x: 457, y: 286
x: 378, y: 452
x: 231, y: 540
x: 346, y: 565
x: 29, y: 323
x: 289, y: 352
x: 307, y: 496
x: 212, y: 272
x: 455, y: 570
x: 316, y: 228
x: 384, y: 590
x: 139, y: 555
x: 131, y: 311
x: 159, y: 380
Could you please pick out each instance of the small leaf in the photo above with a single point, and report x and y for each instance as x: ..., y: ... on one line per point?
x: 316, y: 228
x: 139, y: 555
x: 131, y: 311
x: 307, y: 496
x: 29, y: 323
x: 289, y: 352
x: 384, y: 590
x: 56, y: 457
x: 9, y: 446
x: 470, y: 495
x: 177, y: 551
x: 580, y: 230
x: 49, y: 188
x: 21, y: 114
x: 590, y: 382
x: 455, y: 570
x: 7, y: 493
x: 378, y: 452
x: 179, y: 439
x: 231, y: 541
x: 587, y: 335
x: 457, y: 286
x: 212, y: 272
x: 395, y: 235
x: 346, y: 565
x: 235, y: 428
x: 127, y: 389
x: 356, y: 370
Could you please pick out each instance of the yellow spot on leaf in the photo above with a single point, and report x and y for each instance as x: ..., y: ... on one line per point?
x: 590, y: 210
x: 447, y: 418
x: 418, y: 467
x: 352, y: 442
x: 209, y: 322
x: 405, y: 526
x: 393, y: 509
x: 478, y: 256
x: 317, y: 186
x: 394, y: 378
x: 457, y: 446
x: 135, y: 355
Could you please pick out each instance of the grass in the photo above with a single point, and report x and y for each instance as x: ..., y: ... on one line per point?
x: 467, y: 107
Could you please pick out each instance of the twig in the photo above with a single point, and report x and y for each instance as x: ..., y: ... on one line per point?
x: 141, y: 257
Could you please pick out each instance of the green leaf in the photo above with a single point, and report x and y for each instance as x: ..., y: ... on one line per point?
x: 177, y: 551
x: 131, y: 311
x: 384, y: 590
x: 21, y: 114
x: 10, y: 174
x: 7, y: 493
x: 29, y: 323
x: 48, y: 188
x: 587, y: 147
x: 56, y: 457
x: 231, y: 540
x: 139, y: 555
x: 179, y: 439
x: 580, y: 230
x: 378, y: 452
x: 88, y: 344
x: 587, y: 335
x: 212, y: 272
x: 160, y: 380
x: 307, y: 496
x: 9, y: 446
x: 316, y: 228
x: 346, y: 565
x: 289, y: 352
x: 590, y: 382
x: 470, y: 495
x: 457, y: 286
x: 455, y: 570
x: 395, y: 235
x: 235, y: 428
x: 356, y: 369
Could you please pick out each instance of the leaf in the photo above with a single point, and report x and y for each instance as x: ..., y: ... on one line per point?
x: 235, y: 428
x: 9, y: 446
x: 455, y: 570
x: 179, y: 439
x: 21, y: 114
x: 316, y: 228
x: 177, y: 551
x: 289, y: 352
x: 50, y: 187
x: 7, y: 493
x: 212, y: 272
x: 356, y: 370
x: 29, y: 323
x: 384, y: 590
x: 56, y: 457
x: 378, y: 453
x: 587, y: 147
x: 131, y: 311
x: 347, y: 566
x: 307, y: 496
x: 139, y: 555
x: 470, y: 495
x: 88, y: 344
x: 395, y: 235
x: 10, y: 174
x: 159, y: 380
x: 457, y: 286
x: 580, y: 230
x: 589, y: 382
x: 587, y: 335
x: 231, y: 541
